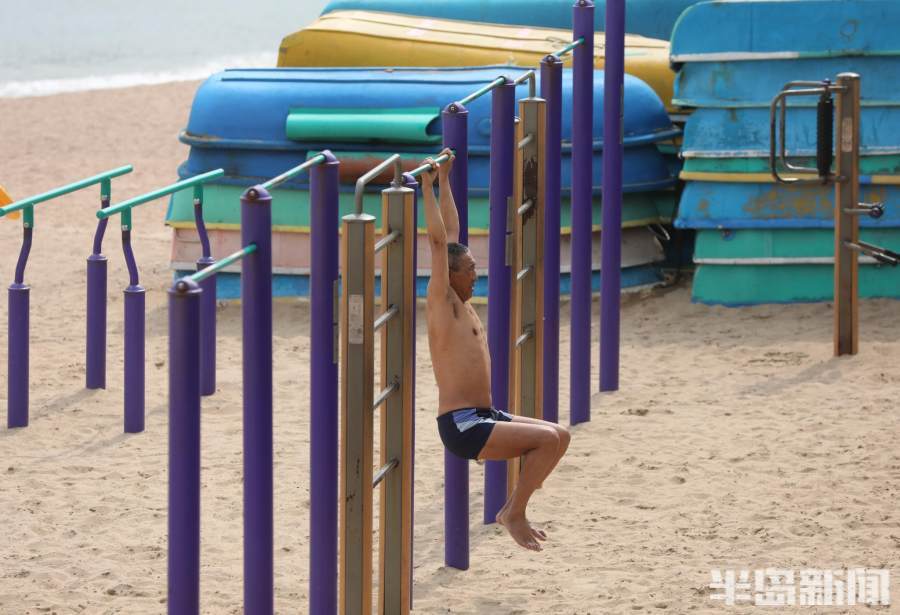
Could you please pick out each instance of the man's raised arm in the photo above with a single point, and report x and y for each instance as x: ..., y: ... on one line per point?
x: 448, y: 205
x: 437, y: 235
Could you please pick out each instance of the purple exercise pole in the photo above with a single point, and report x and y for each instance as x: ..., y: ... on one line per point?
x: 323, y: 394
x: 611, y: 237
x: 19, y: 305
x: 95, y: 341
x: 503, y: 113
x: 551, y: 91
x: 456, y: 469
x: 184, y: 449
x: 582, y: 131
x: 207, y: 304
x: 134, y: 342
x: 256, y: 300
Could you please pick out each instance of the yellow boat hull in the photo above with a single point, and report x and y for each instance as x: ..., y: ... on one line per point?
x: 368, y: 38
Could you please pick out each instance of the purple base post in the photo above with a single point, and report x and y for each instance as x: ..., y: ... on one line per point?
x: 611, y: 239
x: 207, y: 329
x: 134, y: 358
x: 503, y: 112
x: 256, y: 299
x: 456, y: 469
x: 551, y: 91
x: 323, y: 392
x: 95, y: 343
x: 19, y: 305
x: 582, y: 154
x: 184, y: 449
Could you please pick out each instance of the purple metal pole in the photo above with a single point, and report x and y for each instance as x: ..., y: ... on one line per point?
x: 503, y: 113
x: 410, y: 182
x: 551, y: 91
x: 582, y: 131
x: 611, y: 237
x: 207, y: 307
x: 456, y: 469
x: 323, y: 394
x: 135, y: 315
x: 95, y: 341
x: 256, y: 298
x: 184, y: 449
x: 17, y: 358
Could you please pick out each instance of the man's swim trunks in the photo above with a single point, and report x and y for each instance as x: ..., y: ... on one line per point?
x: 465, y: 431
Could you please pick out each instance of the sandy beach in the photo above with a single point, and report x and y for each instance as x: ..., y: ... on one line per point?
x: 736, y: 441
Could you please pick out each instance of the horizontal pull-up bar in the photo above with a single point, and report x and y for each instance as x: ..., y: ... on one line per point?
x: 275, y: 181
x: 427, y: 167
x: 197, y: 180
x: 387, y: 392
x: 570, y: 47
x: 383, y: 470
x: 68, y: 188
x: 228, y: 260
x: 482, y: 91
x: 386, y: 241
x: 386, y: 317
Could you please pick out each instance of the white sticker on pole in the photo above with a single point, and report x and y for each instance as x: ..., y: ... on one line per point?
x: 355, y: 320
x: 847, y: 135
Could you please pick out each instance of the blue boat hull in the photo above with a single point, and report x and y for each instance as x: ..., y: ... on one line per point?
x: 732, y: 133
x: 808, y: 28
x: 707, y: 205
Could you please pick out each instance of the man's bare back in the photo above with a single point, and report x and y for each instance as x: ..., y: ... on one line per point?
x: 468, y: 424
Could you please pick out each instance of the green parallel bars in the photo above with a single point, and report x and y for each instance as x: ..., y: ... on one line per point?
x: 19, y: 293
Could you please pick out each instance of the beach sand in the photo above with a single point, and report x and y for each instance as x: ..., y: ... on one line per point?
x: 736, y: 441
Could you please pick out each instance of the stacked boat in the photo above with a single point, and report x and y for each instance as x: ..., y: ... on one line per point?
x: 652, y: 18
x: 257, y: 123
x: 759, y: 241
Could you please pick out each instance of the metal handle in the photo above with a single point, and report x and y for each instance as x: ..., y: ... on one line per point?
x: 778, y: 108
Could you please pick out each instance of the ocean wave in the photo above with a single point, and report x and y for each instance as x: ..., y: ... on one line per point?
x: 49, y: 87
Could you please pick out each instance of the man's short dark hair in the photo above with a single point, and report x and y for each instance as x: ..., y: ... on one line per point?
x: 455, y: 251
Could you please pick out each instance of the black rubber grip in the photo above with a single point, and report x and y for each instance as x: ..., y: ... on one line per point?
x: 825, y: 136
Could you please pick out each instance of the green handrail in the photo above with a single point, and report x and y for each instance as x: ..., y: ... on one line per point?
x: 231, y: 258
x: 156, y: 194
x: 426, y: 167
x: 561, y: 52
x: 275, y: 181
x: 482, y: 91
x: 68, y: 188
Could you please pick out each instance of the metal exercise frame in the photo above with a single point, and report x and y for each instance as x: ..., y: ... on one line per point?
x: 847, y: 208
x: 395, y: 399
x: 527, y: 221
x: 19, y: 304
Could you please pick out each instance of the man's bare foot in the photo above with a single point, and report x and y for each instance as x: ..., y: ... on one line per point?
x: 539, y: 534
x: 520, y: 531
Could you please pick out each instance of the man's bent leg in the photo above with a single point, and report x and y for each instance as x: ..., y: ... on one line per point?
x: 540, y: 446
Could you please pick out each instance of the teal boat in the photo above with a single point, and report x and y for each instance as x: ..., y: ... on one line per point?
x: 653, y: 18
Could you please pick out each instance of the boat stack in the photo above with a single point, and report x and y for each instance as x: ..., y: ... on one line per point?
x: 759, y: 241
x: 257, y: 123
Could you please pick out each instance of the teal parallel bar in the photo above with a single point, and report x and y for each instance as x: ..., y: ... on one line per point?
x: 63, y: 190
x: 570, y: 47
x: 228, y: 260
x: 481, y: 92
x: 276, y: 181
x: 156, y: 194
x: 425, y: 167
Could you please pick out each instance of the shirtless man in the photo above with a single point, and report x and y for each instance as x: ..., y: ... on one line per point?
x: 469, y: 426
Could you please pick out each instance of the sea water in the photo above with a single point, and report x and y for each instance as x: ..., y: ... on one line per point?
x: 53, y: 46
